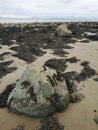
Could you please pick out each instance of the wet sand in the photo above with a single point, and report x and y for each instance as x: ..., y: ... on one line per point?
x: 78, y: 116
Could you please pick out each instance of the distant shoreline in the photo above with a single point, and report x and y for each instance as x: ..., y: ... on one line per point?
x: 31, y: 20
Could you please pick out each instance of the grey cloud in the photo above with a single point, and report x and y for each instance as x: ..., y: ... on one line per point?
x: 49, y: 8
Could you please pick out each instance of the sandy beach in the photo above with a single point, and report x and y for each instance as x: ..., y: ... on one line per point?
x: 77, y: 116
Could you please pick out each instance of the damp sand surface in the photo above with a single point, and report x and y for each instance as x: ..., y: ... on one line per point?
x: 78, y: 116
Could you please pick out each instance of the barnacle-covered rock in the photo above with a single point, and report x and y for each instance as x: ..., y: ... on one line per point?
x: 39, y: 93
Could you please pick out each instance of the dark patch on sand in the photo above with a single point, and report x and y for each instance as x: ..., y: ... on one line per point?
x: 50, y: 123
x: 72, y: 87
x: 57, y: 64
x: 85, y: 41
x: 6, y: 41
x: 72, y: 60
x: 76, y: 97
x: 2, y: 56
x: 85, y: 63
x: 60, y: 52
x: 86, y: 72
x: 55, y: 102
x: 57, y: 45
x: 70, y: 75
x: 4, y: 95
x: 93, y: 37
x: 79, y: 28
x: 27, y: 53
x: 4, y: 69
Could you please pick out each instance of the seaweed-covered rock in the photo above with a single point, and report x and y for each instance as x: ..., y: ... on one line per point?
x: 85, y: 63
x: 39, y: 93
x: 86, y: 72
x: 57, y: 64
x: 62, y: 30
x: 69, y: 77
x: 60, y: 52
x: 72, y: 59
x: 4, y: 95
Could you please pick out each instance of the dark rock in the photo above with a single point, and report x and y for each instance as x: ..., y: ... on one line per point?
x: 50, y: 123
x: 72, y: 87
x: 87, y: 72
x: 4, y: 54
x: 57, y: 45
x: 48, y: 40
x: 85, y: 63
x: 26, y: 57
x: 55, y: 101
x: 72, y: 60
x: 36, y: 51
x: 76, y: 97
x: 57, y: 64
x: 23, y: 53
x: 60, y: 52
x: 70, y: 75
x: 4, y: 69
x: 4, y: 95
x: 27, y: 52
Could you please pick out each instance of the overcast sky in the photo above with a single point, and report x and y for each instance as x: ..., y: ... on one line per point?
x: 49, y: 8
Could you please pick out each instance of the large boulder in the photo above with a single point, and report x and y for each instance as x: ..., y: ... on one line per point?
x: 38, y: 93
x: 63, y: 31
